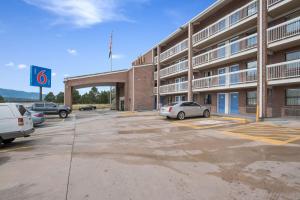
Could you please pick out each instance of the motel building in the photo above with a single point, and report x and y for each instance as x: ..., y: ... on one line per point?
x: 237, y: 56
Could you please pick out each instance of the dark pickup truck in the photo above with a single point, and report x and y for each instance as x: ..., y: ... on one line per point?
x: 52, y: 109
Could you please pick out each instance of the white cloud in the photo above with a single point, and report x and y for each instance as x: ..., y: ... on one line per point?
x: 73, y: 52
x: 117, y: 56
x: 10, y: 64
x: 85, y: 13
x: 22, y: 66
x: 53, y: 74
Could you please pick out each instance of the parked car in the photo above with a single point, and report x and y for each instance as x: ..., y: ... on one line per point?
x: 181, y: 110
x: 14, y: 122
x: 38, y: 118
x: 52, y: 109
x: 87, y: 107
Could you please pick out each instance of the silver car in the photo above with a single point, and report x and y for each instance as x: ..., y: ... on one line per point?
x: 182, y: 110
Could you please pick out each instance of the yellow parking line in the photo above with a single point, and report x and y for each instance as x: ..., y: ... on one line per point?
x: 14, y: 149
x: 292, y: 140
x: 255, y: 138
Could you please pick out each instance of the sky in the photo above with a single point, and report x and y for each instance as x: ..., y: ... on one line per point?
x: 72, y: 36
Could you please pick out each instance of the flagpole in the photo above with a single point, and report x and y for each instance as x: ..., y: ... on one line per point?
x: 110, y: 96
x: 111, y: 57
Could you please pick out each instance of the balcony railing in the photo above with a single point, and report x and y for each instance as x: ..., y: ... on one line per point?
x: 174, y: 69
x: 273, y: 2
x: 233, y: 79
x: 284, y: 70
x: 285, y: 30
x: 174, y: 88
x: 227, y: 22
x: 226, y: 51
x: 178, y: 48
x: 155, y: 90
x: 155, y: 75
x: 155, y: 60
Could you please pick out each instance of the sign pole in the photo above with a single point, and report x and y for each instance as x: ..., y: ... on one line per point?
x: 41, y: 93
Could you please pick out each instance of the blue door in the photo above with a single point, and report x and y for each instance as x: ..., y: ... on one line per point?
x: 234, y: 103
x: 221, y: 103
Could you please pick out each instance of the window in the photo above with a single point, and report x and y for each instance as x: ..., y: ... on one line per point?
x: 207, y: 99
x: 21, y: 109
x: 293, y: 97
x: 252, y: 9
x: 293, y: 27
x: 251, y: 98
x: 292, y: 55
x: 187, y: 104
x: 251, y: 41
x: 179, y: 98
x: 251, y: 75
x: 235, y: 18
x: 222, y: 25
x: 235, y: 46
x: 221, y: 50
x: 39, y: 105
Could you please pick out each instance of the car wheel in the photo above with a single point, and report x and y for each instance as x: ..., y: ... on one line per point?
x: 181, y: 115
x: 8, y: 141
x: 206, y: 114
x: 63, y: 114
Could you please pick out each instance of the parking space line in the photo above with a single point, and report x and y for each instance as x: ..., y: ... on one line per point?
x: 14, y: 149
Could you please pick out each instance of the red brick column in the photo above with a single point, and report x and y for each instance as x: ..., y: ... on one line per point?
x: 158, y: 77
x: 190, y: 62
x: 68, y: 95
x: 262, y: 57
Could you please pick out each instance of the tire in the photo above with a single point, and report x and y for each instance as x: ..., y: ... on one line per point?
x: 181, y: 115
x: 206, y: 114
x: 8, y: 141
x: 63, y: 114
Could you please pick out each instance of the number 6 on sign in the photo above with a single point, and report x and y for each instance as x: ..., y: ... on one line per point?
x: 40, y: 77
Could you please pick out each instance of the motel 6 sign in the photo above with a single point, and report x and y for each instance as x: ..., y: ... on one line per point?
x: 40, y: 77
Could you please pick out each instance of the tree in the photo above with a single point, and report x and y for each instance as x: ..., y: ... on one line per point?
x: 60, y: 97
x: 93, y: 95
x: 76, y: 96
x: 50, y: 97
x: 1, y: 99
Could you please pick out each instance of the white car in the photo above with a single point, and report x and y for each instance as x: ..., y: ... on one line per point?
x: 15, y: 122
x: 181, y: 110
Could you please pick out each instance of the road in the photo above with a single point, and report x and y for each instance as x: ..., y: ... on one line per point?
x: 114, y: 156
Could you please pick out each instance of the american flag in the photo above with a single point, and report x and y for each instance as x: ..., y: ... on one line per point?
x: 110, y: 45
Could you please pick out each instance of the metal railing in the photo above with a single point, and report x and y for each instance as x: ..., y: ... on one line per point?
x: 155, y: 90
x: 178, y: 48
x: 273, y: 2
x: 226, y: 80
x: 284, y: 30
x: 284, y: 70
x: 226, y: 51
x: 174, y: 69
x: 174, y: 88
x: 155, y: 60
x: 227, y: 22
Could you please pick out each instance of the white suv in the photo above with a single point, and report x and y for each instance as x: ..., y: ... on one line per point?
x: 15, y: 122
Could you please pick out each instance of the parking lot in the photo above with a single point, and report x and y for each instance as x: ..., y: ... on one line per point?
x: 110, y: 155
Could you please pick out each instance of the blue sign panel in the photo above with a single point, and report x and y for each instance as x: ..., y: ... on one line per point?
x: 40, y: 77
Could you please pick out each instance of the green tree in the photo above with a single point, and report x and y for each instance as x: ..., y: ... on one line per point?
x: 93, y: 95
x: 76, y: 96
x: 1, y: 99
x: 60, y: 97
x: 50, y: 97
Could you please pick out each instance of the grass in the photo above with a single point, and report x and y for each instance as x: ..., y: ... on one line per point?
x: 99, y: 106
